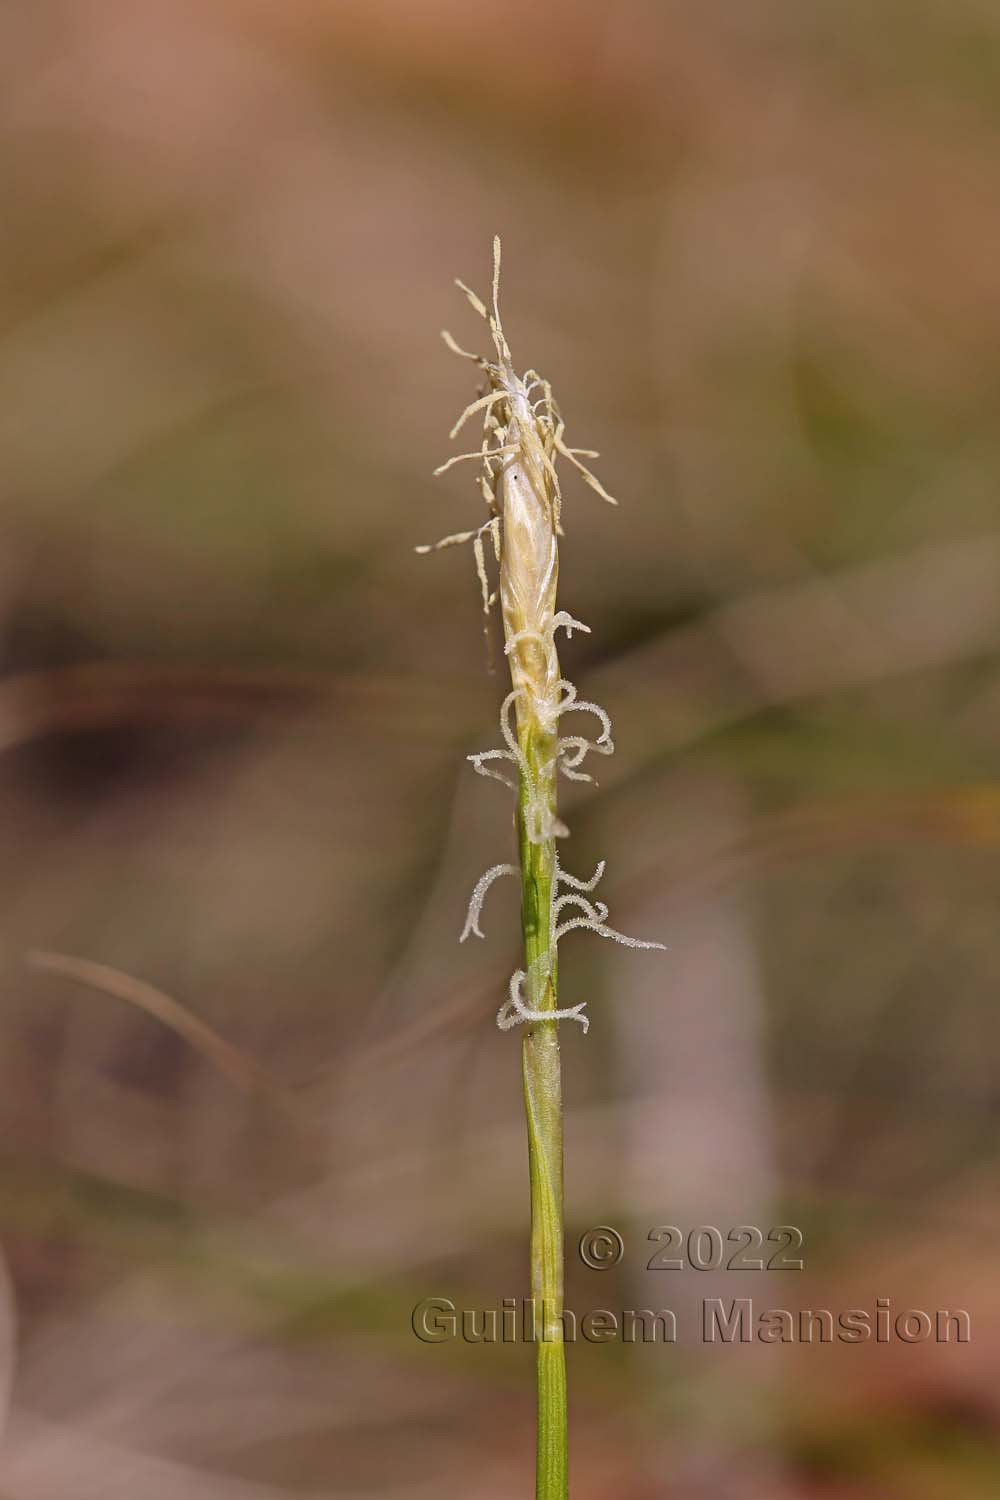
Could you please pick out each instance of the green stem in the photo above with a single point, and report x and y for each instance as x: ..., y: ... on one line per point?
x: 542, y: 1078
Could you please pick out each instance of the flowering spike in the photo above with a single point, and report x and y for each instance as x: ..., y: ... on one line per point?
x: 522, y: 441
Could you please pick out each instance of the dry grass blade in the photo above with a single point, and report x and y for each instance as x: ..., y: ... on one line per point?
x: 163, y: 1008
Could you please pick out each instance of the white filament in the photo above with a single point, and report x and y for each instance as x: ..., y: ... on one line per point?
x: 604, y: 931
x: 478, y: 896
x: 564, y: 878
x: 481, y: 770
x: 567, y: 622
x: 514, y: 1011
x: 593, y: 911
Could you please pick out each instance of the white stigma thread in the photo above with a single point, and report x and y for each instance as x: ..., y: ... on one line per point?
x: 515, y: 1008
x: 479, y: 896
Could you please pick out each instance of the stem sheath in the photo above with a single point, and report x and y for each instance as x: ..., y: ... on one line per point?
x: 542, y: 1077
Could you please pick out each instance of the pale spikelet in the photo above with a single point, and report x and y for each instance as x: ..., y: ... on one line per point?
x: 522, y: 439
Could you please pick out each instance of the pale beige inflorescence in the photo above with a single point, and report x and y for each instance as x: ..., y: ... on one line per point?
x: 523, y: 437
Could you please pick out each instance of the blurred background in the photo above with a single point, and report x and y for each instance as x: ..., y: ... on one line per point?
x: 253, y: 1105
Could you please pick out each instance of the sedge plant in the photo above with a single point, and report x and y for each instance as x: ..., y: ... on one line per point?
x: 518, y: 457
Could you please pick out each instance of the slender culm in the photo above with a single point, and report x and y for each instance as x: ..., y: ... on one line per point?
x: 521, y: 444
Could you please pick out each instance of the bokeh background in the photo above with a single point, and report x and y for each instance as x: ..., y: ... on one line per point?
x: 755, y: 248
